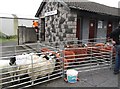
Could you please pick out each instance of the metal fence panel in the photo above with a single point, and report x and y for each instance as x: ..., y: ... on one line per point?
x: 49, y: 61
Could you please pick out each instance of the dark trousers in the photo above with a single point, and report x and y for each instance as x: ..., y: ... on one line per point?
x: 117, y: 59
x: 37, y: 32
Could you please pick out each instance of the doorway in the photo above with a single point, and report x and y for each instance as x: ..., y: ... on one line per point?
x: 109, y: 28
x: 78, y: 29
x: 42, y: 32
x: 92, y: 28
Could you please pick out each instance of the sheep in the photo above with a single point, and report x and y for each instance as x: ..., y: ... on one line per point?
x: 41, y: 62
x: 4, y: 63
x: 4, y: 66
x: 44, y: 66
x: 4, y: 71
x: 69, y: 55
x: 21, y: 62
x: 17, y: 65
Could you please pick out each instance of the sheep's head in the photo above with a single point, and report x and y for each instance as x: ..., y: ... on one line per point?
x: 84, y: 45
x: 49, y: 56
x: 52, y: 55
x: 12, y: 61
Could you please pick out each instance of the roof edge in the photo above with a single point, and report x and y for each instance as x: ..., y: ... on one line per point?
x: 44, y: 2
x: 40, y: 8
x: 66, y: 5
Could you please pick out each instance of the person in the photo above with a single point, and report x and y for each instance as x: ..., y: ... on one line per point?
x: 35, y: 25
x: 115, y: 39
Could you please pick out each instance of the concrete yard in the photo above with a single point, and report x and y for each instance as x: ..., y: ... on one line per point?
x: 97, y: 78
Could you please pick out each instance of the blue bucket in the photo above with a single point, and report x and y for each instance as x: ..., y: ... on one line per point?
x: 72, y: 76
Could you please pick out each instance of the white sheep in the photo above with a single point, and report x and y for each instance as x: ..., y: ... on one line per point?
x: 4, y: 63
x: 19, y: 64
x: 30, y: 61
x: 42, y: 67
x: 24, y: 63
x: 4, y: 66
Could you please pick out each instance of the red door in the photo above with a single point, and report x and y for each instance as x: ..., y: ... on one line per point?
x: 78, y: 29
x: 109, y: 28
x: 92, y: 30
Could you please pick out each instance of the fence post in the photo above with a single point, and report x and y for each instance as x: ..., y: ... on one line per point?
x: 32, y: 69
x: 0, y: 70
x: 38, y: 46
x: 1, y: 79
x: 62, y: 56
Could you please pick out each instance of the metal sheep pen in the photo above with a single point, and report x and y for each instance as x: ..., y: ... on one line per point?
x: 80, y: 55
x: 26, y: 75
x: 89, y: 55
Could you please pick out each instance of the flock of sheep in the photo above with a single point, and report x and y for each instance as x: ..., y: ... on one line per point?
x: 35, y: 65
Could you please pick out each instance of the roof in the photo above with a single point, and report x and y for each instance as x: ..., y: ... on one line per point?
x: 94, y: 7
x: 87, y: 6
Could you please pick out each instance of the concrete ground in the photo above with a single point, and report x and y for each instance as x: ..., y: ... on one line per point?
x: 97, y: 78
x: 9, y: 43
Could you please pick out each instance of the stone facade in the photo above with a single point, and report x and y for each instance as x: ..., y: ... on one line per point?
x: 61, y: 26
x: 64, y: 25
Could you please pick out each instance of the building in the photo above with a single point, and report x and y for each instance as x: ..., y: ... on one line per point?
x: 67, y: 20
x: 9, y: 23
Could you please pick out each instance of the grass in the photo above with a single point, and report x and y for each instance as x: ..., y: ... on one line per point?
x: 8, y: 39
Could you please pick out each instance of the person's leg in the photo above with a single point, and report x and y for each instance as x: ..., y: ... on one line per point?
x: 117, y: 60
x: 118, y: 57
x: 37, y: 32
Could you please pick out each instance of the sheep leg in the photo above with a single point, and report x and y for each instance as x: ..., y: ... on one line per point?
x: 32, y: 82
x: 17, y: 73
x: 48, y: 76
x: 32, y: 79
x: 18, y: 77
x: 13, y: 76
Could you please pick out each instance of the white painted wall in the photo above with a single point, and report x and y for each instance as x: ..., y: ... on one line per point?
x: 7, y: 26
x: 0, y: 25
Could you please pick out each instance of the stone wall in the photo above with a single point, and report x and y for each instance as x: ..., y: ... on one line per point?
x: 61, y: 26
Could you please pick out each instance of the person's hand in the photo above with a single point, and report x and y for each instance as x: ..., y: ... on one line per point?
x: 113, y: 42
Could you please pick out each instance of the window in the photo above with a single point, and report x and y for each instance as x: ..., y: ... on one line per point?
x: 100, y: 24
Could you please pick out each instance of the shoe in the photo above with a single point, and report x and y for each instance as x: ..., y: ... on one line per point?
x: 116, y: 72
